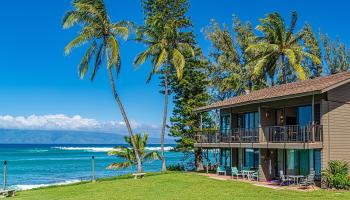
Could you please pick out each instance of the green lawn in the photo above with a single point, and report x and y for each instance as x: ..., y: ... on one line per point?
x: 172, y: 186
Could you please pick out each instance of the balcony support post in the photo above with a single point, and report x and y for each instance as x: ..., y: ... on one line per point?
x: 216, y: 125
x: 313, y: 118
x: 260, y: 131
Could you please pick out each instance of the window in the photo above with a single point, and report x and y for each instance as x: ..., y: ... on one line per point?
x: 225, y: 124
x: 317, y: 161
x: 304, y: 115
x: 226, y: 158
x: 251, y: 158
x: 248, y: 120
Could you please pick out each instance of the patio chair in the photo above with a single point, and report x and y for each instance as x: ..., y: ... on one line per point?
x: 220, y: 170
x: 309, y: 180
x: 235, y: 172
x: 255, y: 175
x: 284, y: 179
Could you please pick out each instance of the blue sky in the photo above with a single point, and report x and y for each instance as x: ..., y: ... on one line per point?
x: 36, y: 78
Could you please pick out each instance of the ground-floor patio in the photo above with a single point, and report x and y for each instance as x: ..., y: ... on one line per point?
x: 267, y: 184
x: 271, y: 164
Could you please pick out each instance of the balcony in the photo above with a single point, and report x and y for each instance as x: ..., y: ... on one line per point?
x: 236, y: 135
x: 269, y: 134
x: 294, y: 134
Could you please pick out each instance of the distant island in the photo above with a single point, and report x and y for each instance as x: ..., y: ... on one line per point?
x: 13, y: 136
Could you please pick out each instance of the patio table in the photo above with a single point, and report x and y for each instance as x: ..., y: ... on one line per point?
x: 296, y: 178
x: 248, y: 173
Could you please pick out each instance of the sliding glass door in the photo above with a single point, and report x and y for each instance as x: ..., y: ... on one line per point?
x: 251, y: 158
x: 304, y: 115
x: 298, y: 162
x: 225, y: 125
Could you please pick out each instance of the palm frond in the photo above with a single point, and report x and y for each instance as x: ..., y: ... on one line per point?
x: 76, y: 42
x: 141, y: 58
x: 84, y: 63
x: 115, y: 54
x: 120, y: 31
x: 98, y: 61
x: 119, y: 165
x: 290, y: 54
x: 178, y: 62
x: 292, y: 25
x: 153, y: 155
x: 185, y: 47
x: 160, y: 59
x: 91, y: 8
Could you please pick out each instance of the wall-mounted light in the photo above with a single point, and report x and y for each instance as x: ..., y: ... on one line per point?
x: 267, y: 114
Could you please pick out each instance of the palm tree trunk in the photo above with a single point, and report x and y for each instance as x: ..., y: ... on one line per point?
x: 164, y: 115
x: 284, y: 71
x: 198, y: 159
x: 126, y: 120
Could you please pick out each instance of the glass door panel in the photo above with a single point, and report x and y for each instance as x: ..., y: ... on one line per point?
x: 225, y: 125
x: 304, y: 162
x: 304, y: 115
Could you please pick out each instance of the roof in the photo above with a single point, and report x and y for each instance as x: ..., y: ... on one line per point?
x: 299, y: 88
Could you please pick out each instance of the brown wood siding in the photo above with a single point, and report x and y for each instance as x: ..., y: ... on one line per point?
x: 335, y: 119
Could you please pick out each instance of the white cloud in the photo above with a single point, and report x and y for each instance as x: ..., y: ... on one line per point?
x: 75, y: 123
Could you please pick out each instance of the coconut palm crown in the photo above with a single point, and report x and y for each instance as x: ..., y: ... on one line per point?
x: 101, y: 36
x: 279, y: 46
x: 165, y: 50
x: 128, y: 155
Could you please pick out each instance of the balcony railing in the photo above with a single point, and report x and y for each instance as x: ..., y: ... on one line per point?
x: 272, y: 134
x: 294, y: 133
x: 236, y: 135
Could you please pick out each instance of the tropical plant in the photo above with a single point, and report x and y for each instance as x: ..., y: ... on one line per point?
x: 230, y: 74
x: 336, y: 175
x: 312, y: 46
x: 128, y: 155
x: 336, y: 54
x: 165, y: 49
x: 279, y: 48
x: 100, y: 33
x: 176, y: 167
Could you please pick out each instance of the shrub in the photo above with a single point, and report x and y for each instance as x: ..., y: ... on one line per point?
x: 177, y: 167
x: 336, y: 175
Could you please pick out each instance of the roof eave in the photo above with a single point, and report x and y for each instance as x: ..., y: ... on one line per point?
x: 260, y: 101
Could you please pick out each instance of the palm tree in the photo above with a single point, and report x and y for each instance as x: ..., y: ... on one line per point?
x: 100, y: 33
x: 279, y: 45
x: 166, y: 51
x: 128, y: 155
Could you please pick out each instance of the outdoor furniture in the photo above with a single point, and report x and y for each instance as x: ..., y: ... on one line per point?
x: 220, y: 170
x: 7, y: 193
x: 296, y: 178
x: 255, y: 175
x: 309, y: 180
x: 248, y: 173
x: 284, y: 179
x: 139, y: 175
x: 235, y: 172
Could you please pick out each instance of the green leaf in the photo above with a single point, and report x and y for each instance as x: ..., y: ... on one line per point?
x: 179, y: 63
x: 160, y: 59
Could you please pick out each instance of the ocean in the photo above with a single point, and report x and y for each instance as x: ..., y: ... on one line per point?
x: 30, y: 166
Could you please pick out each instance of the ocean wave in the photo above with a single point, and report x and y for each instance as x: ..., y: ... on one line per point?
x: 89, y: 149
x: 106, y: 149
x: 38, y: 150
x: 29, y: 187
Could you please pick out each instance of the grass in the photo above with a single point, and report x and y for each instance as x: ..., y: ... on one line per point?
x: 171, y: 186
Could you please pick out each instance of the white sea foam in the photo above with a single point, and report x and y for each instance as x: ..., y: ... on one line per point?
x: 29, y: 187
x: 38, y: 150
x: 106, y: 149
x: 89, y: 149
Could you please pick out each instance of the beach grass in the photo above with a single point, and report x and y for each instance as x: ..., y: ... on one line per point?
x: 171, y: 186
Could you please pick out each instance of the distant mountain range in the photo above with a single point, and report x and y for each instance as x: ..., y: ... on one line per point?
x: 12, y: 136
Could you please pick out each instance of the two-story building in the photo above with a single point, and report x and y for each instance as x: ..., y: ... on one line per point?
x: 294, y: 127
